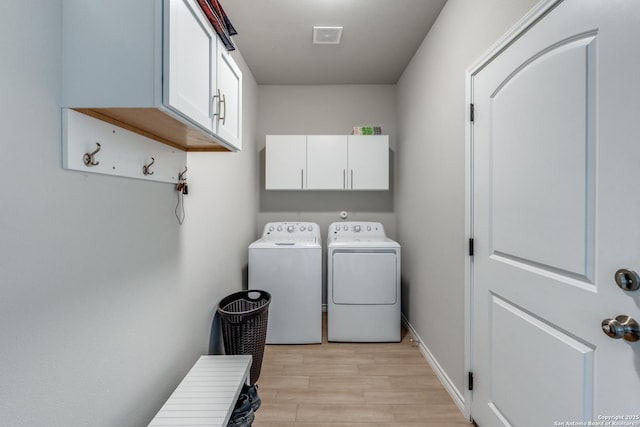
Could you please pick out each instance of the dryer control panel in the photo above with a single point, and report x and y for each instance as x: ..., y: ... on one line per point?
x: 357, y: 229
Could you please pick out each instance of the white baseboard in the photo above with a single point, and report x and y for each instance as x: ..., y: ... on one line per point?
x: 455, y: 394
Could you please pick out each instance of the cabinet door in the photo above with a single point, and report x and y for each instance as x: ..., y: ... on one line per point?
x: 189, y: 62
x: 285, y: 162
x: 326, y: 162
x: 229, y: 102
x: 368, y: 162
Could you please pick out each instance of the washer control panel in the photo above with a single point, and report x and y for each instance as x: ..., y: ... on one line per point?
x: 291, y: 230
x: 360, y: 229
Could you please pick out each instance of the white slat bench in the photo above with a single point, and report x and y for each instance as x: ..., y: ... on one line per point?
x: 207, y: 395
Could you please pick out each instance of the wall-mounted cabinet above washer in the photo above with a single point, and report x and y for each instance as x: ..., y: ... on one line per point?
x: 153, y: 67
x: 327, y: 162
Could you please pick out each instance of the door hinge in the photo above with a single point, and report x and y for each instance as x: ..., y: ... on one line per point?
x: 471, y: 247
x: 472, y: 110
x: 470, y: 380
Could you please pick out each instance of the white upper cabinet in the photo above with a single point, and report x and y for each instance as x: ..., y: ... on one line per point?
x: 154, y: 67
x: 327, y: 162
x: 191, y: 53
x: 285, y: 162
x: 228, y: 97
x: 368, y: 162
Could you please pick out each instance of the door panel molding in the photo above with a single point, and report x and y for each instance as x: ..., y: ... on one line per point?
x: 521, y: 166
x: 566, y: 368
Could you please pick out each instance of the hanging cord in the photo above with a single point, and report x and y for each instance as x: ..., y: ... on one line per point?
x: 181, y: 189
x: 179, y: 211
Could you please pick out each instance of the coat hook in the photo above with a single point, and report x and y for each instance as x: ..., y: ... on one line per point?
x: 89, y: 158
x: 146, y: 168
x: 182, y: 174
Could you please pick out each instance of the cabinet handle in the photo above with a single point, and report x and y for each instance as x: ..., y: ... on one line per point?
x: 352, y: 179
x: 213, y: 108
x: 344, y: 178
x: 216, y: 105
x: 223, y: 102
x: 302, y: 178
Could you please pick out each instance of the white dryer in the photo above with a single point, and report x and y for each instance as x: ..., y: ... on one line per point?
x: 287, y: 263
x: 363, y: 283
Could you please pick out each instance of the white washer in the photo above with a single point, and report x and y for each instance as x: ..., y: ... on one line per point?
x: 363, y: 283
x: 287, y: 263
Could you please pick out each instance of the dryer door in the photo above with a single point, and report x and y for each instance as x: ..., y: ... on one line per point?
x: 364, y: 278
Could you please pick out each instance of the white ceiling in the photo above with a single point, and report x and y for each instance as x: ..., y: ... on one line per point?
x: 379, y: 38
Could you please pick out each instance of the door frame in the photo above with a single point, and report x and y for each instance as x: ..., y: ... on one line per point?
x: 541, y: 9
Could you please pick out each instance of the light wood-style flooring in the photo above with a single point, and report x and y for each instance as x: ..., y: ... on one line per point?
x: 352, y: 385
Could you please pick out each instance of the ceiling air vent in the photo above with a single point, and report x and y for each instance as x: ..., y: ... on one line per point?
x: 327, y: 35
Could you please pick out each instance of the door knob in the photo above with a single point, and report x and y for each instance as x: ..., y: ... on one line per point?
x: 622, y: 327
x: 627, y: 279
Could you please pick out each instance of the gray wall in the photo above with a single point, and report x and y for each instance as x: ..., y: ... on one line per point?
x: 430, y: 191
x: 105, y: 301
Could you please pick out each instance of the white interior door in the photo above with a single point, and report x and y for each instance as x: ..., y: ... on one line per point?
x: 555, y: 215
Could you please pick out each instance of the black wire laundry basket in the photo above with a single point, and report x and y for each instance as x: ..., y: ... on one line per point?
x: 244, y: 316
